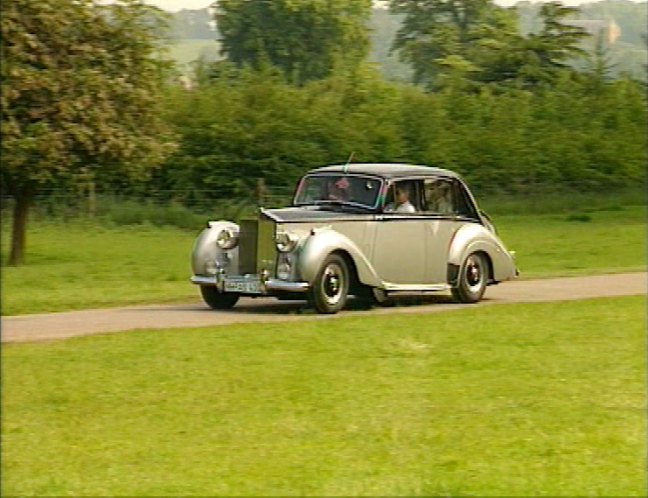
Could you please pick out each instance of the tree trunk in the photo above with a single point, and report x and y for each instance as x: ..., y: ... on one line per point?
x: 19, y: 228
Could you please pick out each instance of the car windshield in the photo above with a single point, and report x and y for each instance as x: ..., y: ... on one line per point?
x: 327, y: 189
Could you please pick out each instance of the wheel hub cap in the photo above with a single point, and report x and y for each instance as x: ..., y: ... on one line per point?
x: 473, y: 274
x: 332, y: 284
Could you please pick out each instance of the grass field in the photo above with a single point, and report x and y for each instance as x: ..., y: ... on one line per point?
x: 515, y: 400
x: 83, y: 264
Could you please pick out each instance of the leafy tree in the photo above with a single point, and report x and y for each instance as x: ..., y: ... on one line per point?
x: 441, y: 36
x: 468, y: 43
x: 306, y: 39
x: 250, y: 125
x: 80, y: 87
x: 558, y: 42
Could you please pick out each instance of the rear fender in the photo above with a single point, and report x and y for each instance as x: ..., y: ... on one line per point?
x: 473, y: 238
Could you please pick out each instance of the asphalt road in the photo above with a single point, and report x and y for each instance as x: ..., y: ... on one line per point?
x: 52, y: 326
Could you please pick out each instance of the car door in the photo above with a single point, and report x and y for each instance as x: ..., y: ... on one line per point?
x: 399, y: 253
x: 441, y: 209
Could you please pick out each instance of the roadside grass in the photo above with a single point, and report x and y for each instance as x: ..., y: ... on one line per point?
x: 549, y: 245
x: 510, y: 400
x: 561, y: 202
x: 82, y: 264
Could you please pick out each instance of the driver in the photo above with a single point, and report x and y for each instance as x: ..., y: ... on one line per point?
x: 337, y: 189
x: 401, y: 202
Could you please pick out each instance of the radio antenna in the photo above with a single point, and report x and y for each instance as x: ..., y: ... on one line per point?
x: 346, y: 166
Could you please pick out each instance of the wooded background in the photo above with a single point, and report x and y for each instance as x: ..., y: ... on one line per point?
x: 518, y: 100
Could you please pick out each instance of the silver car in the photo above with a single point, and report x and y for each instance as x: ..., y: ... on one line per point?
x: 374, y: 231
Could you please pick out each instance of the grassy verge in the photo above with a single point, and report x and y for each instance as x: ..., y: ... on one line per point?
x: 577, y: 243
x: 84, y: 264
x: 518, y: 400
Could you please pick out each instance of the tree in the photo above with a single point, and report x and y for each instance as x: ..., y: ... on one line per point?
x: 558, y: 42
x: 468, y: 43
x: 80, y: 87
x: 443, y: 37
x: 306, y: 39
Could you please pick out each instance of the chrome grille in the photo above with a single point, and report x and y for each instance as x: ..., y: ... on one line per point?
x: 248, y: 235
x: 257, y: 249
x: 266, y: 248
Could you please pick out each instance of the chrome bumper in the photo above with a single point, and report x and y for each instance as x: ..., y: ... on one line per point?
x: 272, y: 284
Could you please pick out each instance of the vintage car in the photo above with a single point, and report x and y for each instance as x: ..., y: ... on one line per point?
x: 375, y: 231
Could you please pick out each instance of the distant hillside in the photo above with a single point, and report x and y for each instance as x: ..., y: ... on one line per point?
x: 196, y: 35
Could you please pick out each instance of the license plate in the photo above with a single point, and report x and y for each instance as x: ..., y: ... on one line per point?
x: 243, y: 286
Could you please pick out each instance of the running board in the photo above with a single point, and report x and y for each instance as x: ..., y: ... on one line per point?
x: 403, y: 289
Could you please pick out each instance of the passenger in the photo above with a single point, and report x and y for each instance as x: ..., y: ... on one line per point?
x: 441, y: 199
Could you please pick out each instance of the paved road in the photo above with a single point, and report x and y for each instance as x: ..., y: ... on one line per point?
x: 52, y: 326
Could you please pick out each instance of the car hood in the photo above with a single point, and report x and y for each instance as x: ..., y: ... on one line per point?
x: 310, y: 213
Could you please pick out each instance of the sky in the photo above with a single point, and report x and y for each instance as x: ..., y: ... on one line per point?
x: 175, y: 5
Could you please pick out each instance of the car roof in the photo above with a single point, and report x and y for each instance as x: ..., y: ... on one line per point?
x: 387, y: 170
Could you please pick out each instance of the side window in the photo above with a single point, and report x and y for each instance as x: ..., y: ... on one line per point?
x: 440, y: 196
x: 403, y: 197
x: 464, y: 204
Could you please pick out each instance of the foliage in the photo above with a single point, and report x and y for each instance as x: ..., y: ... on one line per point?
x: 462, y: 43
x: 306, y: 39
x: 243, y: 126
x: 438, y: 35
x: 501, y: 400
x: 627, y: 55
x: 80, y: 96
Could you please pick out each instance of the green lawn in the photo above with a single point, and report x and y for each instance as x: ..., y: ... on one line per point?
x: 515, y: 400
x: 562, y: 244
x: 84, y: 265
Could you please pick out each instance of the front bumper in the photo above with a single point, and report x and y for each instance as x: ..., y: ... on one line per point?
x: 251, y: 284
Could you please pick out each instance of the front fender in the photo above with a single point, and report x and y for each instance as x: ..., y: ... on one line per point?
x: 206, y: 250
x: 477, y: 238
x: 325, y: 241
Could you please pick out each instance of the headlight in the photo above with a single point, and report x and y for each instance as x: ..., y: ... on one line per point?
x: 227, y: 239
x: 286, y: 241
x: 284, y: 270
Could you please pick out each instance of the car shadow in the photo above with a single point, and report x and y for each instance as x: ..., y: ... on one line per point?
x: 273, y: 306
x: 279, y: 307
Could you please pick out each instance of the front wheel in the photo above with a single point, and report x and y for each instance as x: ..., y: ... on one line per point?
x: 216, y: 299
x: 331, y: 287
x: 473, y: 277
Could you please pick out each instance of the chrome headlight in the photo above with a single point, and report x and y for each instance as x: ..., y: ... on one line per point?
x: 227, y: 239
x: 284, y: 270
x: 286, y: 241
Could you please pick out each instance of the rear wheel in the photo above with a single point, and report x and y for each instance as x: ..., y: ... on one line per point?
x: 331, y: 287
x: 473, y: 277
x: 216, y: 299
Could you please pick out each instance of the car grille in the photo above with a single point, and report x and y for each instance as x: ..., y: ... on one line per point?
x: 257, y: 249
